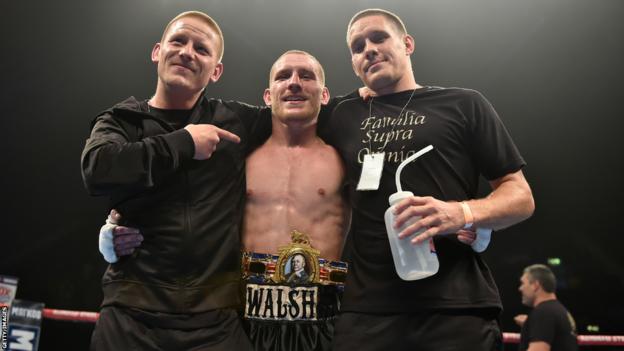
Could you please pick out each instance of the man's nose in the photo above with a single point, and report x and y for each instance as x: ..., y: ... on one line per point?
x: 187, y: 50
x: 294, y: 83
x: 370, y: 49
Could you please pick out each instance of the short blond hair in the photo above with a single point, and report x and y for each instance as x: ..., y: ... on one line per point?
x: 301, y: 52
x: 203, y: 17
x: 392, y: 17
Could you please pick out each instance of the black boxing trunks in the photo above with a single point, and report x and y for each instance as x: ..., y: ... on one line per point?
x: 292, y: 298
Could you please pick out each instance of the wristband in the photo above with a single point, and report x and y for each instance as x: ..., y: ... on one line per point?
x: 468, y: 218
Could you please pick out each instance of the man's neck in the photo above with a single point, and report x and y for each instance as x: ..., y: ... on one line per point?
x: 171, y: 100
x: 293, y: 134
x: 544, y: 297
x: 407, y: 82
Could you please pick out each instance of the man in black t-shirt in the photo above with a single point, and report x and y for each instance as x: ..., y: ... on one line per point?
x: 457, y: 308
x: 549, y: 326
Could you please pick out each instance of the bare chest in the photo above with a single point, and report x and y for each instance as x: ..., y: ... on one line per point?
x: 303, y: 175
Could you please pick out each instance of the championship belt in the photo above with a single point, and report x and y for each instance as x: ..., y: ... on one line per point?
x: 295, y: 284
x: 270, y: 268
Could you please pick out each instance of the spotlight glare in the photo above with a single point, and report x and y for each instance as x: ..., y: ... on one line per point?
x: 554, y: 261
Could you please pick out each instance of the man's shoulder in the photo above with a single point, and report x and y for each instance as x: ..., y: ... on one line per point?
x: 229, y: 104
x: 554, y: 305
x: 451, y: 92
x: 130, y: 104
x: 347, y: 103
x: 130, y: 108
x: 464, y: 98
x: 550, y: 309
x: 336, y: 101
x: 428, y: 92
x: 239, y: 109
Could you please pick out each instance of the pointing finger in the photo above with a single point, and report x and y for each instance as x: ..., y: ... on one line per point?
x: 222, y: 133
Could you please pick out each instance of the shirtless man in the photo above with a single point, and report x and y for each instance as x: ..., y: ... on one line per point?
x: 295, y: 208
x: 294, y: 180
x: 294, y: 183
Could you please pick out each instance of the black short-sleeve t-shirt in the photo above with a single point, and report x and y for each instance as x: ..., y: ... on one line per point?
x: 469, y: 140
x: 551, y: 323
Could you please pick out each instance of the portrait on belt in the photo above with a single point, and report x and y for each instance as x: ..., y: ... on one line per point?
x: 298, y: 262
x: 296, y: 269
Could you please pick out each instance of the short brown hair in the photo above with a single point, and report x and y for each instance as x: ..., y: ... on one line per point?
x: 393, y: 18
x: 203, y: 17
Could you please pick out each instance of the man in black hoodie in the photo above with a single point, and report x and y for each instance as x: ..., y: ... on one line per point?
x: 174, y: 165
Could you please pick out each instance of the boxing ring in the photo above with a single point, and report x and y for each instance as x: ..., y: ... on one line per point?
x: 583, y: 340
x: 508, y: 338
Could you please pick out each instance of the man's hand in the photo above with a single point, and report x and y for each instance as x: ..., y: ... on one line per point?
x: 116, y: 241
x: 466, y: 236
x: 520, y: 319
x: 206, y: 137
x: 437, y: 217
x: 366, y: 93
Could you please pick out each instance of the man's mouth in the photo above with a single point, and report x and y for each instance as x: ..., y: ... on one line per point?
x: 372, y: 65
x: 183, y: 66
x: 294, y: 98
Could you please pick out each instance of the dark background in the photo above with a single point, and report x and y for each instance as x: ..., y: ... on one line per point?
x: 552, y: 69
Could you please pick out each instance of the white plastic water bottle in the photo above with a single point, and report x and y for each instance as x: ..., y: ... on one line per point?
x: 411, y: 262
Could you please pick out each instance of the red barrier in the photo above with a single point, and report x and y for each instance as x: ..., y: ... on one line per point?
x: 73, y: 316
x: 611, y: 340
x: 508, y: 338
x: 594, y: 340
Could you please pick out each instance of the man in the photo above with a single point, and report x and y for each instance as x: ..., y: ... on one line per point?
x: 295, y: 212
x: 297, y: 274
x: 174, y: 166
x: 457, y: 308
x: 549, y: 327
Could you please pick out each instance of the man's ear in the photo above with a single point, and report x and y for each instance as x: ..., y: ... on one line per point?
x: 410, y: 45
x: 216, y: 74
x: 537, y: 285
x: 156, y: 53
x: 267, y: 97
x: 325, y: 96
